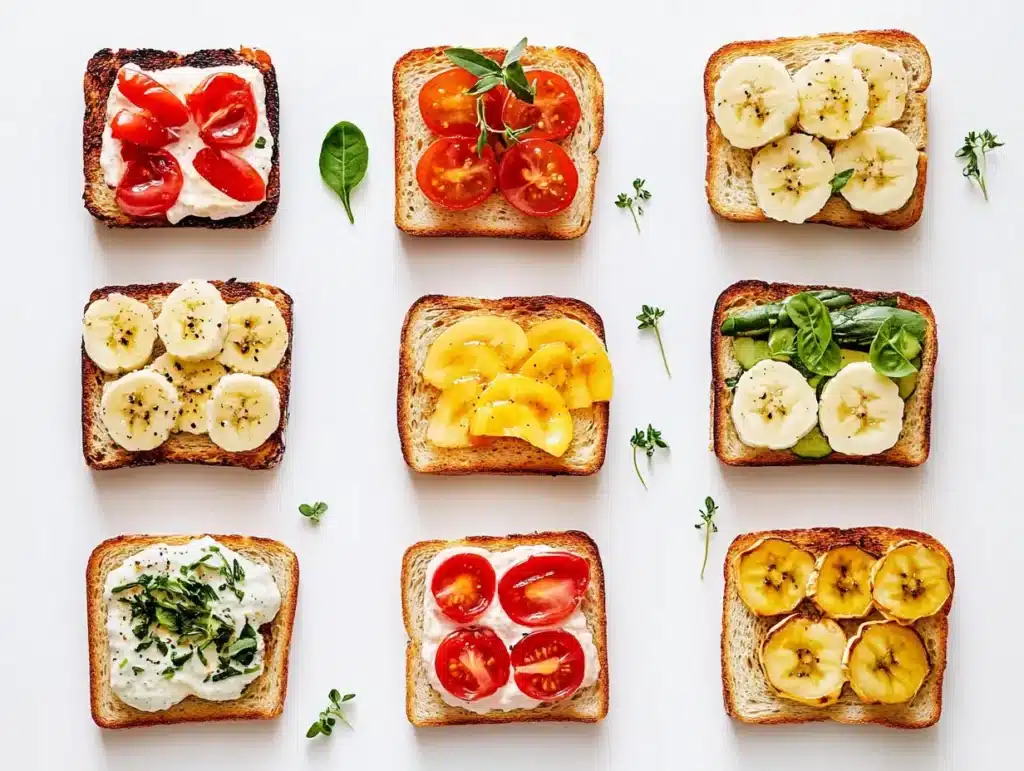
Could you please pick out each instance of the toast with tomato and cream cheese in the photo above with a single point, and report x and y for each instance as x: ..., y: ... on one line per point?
x: 495, y: 217
x: 101, y: 78
x: 424, y: 705
x: 262, y: 699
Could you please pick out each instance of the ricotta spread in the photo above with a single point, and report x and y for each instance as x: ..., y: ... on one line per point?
x: 437, y: 626
x: 153, y: 668
x: 198, y: 197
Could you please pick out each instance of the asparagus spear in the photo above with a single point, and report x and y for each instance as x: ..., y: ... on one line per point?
x: 856, y: 327
x: 759, y: 320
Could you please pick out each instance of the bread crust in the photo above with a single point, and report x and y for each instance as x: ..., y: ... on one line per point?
x: 454, y: 462
x: 277, y: 636
x: 818, y: 540
x: 181, y: 447
x: 593, y: 608
x: 911, y: 449
x: 524, y: 227
x: 837, y: 211
x: 100, y: 77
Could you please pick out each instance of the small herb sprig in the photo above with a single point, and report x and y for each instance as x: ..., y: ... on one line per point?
x: 648, y: 318
x: 330, y: 716
x: 839, y: 180
x: 975, y: 147
x: 314, y: 512
x: 648, y: 442
x: 626, y: 201
x: 707, y: 515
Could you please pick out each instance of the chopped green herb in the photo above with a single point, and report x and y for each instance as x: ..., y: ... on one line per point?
x: 313, y: 513
x: 329, y: 717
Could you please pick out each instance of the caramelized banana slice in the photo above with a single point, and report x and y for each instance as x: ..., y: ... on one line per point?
x: 802, y: 660
x: 841, y: 582
x: 886, y: 663
x: 772, y: 576
x: 910, y: 582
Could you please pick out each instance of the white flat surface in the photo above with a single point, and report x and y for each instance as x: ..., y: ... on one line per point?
x: 352, y: 286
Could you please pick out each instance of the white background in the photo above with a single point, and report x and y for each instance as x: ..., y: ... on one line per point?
x: 351, y: 287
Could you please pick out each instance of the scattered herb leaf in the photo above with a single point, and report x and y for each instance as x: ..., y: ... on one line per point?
x: 648, y: 318
x: 640, y: 193
x: 975, y: 147
x: 344, y: 156
x: 707, y: 515
x: 314, y: 512
x: 329, y: 717
x: 648, y: 442
x: 261, y: 142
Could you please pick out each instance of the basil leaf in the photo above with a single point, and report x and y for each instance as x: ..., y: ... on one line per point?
x: 343, y: 160
x: 179, y: 661
x: 472, y: 62
x: 517, y: 83
x: 892, y: 350
x: 827, y: 360
x: 782, y: 342
x: 839, y: 180
x: 485, y: 84
x: 314, y: 730
x: 515, y: 54
x: 814, y: 344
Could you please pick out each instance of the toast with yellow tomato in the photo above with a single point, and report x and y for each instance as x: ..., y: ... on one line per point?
x: 518, y: 385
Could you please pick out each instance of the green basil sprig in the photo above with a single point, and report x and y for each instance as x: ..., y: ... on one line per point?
x: 893, y: 349
x: 814, y: 344
x: 490, y: 74
x: 344, y: 156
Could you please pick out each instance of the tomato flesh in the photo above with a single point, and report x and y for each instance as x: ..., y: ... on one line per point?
x: 538, y: 178
x: 555, y: 110
x: 463, y: 586
x: 230, y: 174
x: 453, y: 176
x: 140, y: 128
x: 156, y: 99
x: 224, y: 108
x: 472, y: 663
x: 450, y: 111
x: 548, y: 665
x: 544, y: 589
x: 150, y: 184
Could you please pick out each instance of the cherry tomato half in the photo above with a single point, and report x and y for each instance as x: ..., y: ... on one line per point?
x: 453, y: 176
x: 141, y: 128
x: 230, y: 174
x: 538, y: 178
x: 472, y: 663
x: 555, y: 110
x: 548, y: 665
x: 544, y: 589
x: 151, y: 182
x: 224, y: 108
x: 448, y: 110
x: 142, y: 91
x: 463, y: 586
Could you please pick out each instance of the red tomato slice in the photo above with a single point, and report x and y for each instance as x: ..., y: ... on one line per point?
x: 463, y: 586
x: 548, y: 665
x: 472, y: 663
x: 538, y: 178
x: 544, y: 589
x: 142, y: 91
x: 448, y: 110
x: 224, y: 108
x: 141, y: 128
x: 453, y: 176
x: 230, y: 174
x: 151, y: 182
x: 555, y: 110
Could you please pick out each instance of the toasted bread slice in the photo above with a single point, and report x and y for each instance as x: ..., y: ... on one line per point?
x: 424, y: 706
x: 102, y: 453
x: 748, y: 696
x: 728, y: 179
x: 100, y: 77
x: 915, y: 441
x: 262, y: 699
x: 416, y: 215
x: 426, y: 320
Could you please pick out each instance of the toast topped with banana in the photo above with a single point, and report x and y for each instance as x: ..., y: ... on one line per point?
x: 197, y: 372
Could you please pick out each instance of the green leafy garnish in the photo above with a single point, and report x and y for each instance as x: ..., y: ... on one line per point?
x: 893, y: 350
x: 814, y: 344
x: 640, y: 193
x: 314, y: 512
x: 732, y: 382
x: 344, y: 156
x: 839, y: 180
x: 330, y: 716
x: 123, y: 664
x: 648, y: 442
x: 707, y: 515
x: 975, y: 147
x: 137, y: 670
x: 261, y: 142
x: 648, y: 319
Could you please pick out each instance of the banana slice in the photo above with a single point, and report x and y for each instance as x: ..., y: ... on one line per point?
x: 756, y: 101
x: 449, y: 425
x: 244, y: 410
x: 139, y: 410
x: 477, y: 346
x: 792, y: 178
x: 193, y: 321
x: 591, y: 367
x: 515, y: 405
x: 841, y: 582
x: 887, y: 79
x: 194, y: 381
x: 802, y: 660
x: 861, y: 412
x: 884, y: 163
x: 773, y: 406
x: 886, y: 663
x: 118, y: 332
x: 772, y: 576
x: 833, y: 97
x: 257, y: 337
x: 910, y: 582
